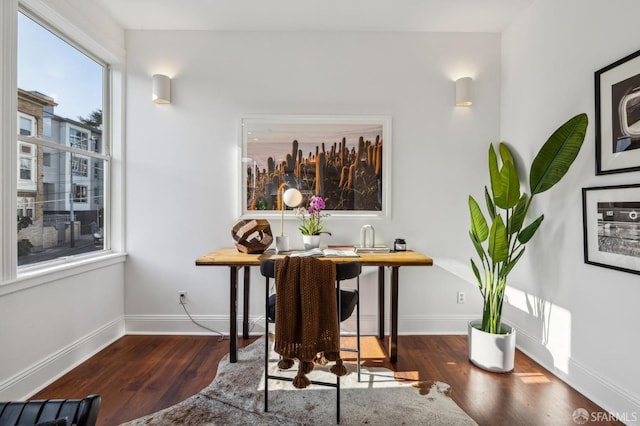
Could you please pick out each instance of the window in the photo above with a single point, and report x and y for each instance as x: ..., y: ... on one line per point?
x: 47, y: 131
x: 26, y: 125
x: 79, y: 165
x: 27, y: 163
x: 80, y: 194
x: 78, y: 139
x: 26, y: 207
x: 62, y: 155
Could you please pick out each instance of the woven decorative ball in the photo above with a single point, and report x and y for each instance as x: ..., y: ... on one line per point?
x: 252, y: 235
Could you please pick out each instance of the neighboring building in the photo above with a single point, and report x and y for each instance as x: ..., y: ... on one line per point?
x: 80, y: 192
x: 55, y: 186
x: 30, y: 123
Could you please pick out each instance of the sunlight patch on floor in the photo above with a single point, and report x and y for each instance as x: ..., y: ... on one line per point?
x: 532, y: 378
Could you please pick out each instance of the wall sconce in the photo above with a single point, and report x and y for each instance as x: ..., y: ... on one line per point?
x: 161, y: 89
x: 464, y: 91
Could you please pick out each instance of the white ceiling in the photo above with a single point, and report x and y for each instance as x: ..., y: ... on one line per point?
x: 316, y: 15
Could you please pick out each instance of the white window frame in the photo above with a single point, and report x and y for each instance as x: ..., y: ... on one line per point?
x: 60, y: 16
x: 80, y: 193
x: 79, y: 165
x: 26, y: 205
x: 32, y: 120
x: 31, y: 183
x: 84, y: 142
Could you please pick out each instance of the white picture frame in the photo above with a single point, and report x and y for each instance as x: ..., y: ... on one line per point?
x: 344, y: 159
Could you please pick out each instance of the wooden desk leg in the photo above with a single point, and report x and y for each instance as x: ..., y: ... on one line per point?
x: 393, y: 339
x: 381, y: 302
x: 245, y: 303
x: 233, y: 315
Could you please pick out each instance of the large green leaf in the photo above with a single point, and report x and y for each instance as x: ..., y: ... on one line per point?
x: 505, y: 154
x: 477, y: 245
x: 479, y: 225
x: 509, y: 176
x: 491, y: 207
x: 498, y: 242
x: 528, y: 232
x: 509, y: 266
x: 557, y: 154
x: 476, y: 272
x: 519, y: 213
x: 494, y: 173
x: 510, y: 185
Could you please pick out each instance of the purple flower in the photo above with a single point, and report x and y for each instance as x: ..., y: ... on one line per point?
x: 316, y: 205
x: 312, y: 224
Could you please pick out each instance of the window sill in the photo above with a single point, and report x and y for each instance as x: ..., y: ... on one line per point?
x: 33, y: 276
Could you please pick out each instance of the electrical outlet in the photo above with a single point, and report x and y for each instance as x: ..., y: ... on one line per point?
x: 462, y: 297
x: 182, y: 297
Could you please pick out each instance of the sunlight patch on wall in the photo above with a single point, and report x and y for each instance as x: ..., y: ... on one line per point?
x: 549, y: 323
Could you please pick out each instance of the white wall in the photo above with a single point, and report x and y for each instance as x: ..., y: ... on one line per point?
x: 182, y: 158
x: 578, y: 320
x: 50, y: 328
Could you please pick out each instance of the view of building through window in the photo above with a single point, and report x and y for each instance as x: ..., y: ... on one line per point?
x: 62, y: 154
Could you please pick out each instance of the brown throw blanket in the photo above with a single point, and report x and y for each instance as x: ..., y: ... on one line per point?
x: 307, y: 326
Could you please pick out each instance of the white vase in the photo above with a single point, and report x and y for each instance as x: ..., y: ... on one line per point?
x: 492, y: 352
x: 282, y: 243
x: 311, y: 241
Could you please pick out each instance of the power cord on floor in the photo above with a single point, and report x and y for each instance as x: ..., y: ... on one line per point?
x: 254, y: 322
x: 184, y: 306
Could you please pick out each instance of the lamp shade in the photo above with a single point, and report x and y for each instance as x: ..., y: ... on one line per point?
x: 161, y: 89
x: 292, y: 197
x: 464, y: 91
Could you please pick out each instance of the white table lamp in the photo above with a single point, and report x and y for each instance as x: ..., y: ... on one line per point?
x: 292, y: 198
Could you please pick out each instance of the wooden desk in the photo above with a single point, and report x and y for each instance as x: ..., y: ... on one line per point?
x: 234, y: 260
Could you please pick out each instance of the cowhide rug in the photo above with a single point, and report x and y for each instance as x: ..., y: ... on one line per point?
x: 236, y: 397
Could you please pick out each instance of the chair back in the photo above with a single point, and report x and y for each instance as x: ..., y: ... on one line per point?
x: 344, y: 270
x: 81, y: 412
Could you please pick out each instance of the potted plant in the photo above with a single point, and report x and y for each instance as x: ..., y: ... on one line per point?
x: 312, y: 226
x: 500, y: 237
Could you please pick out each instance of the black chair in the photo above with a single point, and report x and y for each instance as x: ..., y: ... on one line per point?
x: 347, y: 300
x: 81, y: 412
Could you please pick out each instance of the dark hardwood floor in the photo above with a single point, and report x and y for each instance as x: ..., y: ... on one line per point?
x: 138, y: 375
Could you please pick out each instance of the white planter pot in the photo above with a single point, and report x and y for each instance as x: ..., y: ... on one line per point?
x: 311, y: 241
x: 492, y: 352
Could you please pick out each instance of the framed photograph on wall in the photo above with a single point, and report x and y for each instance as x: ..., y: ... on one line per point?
x: 344, y: 159
x: 611, y: 222
x: 617, y: 93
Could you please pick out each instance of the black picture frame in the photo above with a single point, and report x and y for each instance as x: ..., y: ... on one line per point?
x: 611, y: 227
x: 617, y: 96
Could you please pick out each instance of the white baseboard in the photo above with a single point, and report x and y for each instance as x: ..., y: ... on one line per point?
x: 177, y: 324
x: 31, y: 380
x: 181, y: 324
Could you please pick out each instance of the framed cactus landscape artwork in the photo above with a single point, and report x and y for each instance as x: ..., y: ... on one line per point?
x: 343, y: 159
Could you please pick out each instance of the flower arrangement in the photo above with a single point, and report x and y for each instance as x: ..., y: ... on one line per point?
x: 311, y: 217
